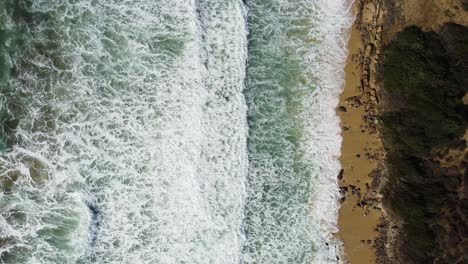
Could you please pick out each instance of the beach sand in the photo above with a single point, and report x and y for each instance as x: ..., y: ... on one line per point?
x: 357, y: 219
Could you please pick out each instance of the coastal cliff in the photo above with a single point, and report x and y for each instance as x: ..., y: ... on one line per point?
x: 412, y: 68
x: 423, y: 124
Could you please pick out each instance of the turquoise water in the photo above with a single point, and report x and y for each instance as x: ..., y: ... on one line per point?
x: 170, y: 131
x: 279, y: 186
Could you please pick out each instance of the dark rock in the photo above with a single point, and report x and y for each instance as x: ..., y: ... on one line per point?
x: 354, y: 101
x: 340, y: 174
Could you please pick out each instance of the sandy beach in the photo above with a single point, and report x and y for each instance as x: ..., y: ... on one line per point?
x: 357, y: 220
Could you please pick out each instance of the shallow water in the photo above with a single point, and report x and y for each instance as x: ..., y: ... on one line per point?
x: 170, y: 131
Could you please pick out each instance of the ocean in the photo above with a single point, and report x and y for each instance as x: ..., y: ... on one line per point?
x: 176, y: 131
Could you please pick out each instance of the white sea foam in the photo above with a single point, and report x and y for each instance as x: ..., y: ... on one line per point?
x: 323, y: 131
x: 294, y: 78
x: 137, y: 107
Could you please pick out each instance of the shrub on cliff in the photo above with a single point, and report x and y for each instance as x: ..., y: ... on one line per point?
x: 417, y: 70
x: 424, y: 81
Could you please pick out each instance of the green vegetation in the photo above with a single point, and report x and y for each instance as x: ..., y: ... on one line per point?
x: 417, y: 73
x: 423, y: 91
